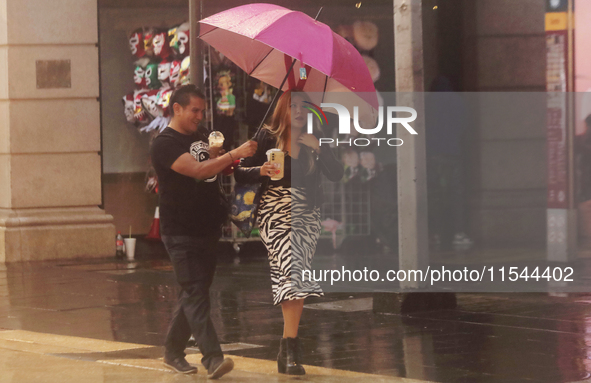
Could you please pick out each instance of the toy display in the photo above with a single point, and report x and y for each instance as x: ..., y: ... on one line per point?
x: 224, y: 98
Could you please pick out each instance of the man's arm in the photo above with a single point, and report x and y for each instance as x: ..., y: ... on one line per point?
x: 188, y: 166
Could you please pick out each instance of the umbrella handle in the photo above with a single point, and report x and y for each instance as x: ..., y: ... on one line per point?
x: 275, y: 97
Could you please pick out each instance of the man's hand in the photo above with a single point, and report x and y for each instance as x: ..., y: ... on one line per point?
x: 245, y: 150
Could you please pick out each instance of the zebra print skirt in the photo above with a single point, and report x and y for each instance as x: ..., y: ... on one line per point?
x: 290, y: 230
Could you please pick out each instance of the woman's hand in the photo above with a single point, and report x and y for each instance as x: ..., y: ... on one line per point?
x: 310, y: 141
x: 268, y: 169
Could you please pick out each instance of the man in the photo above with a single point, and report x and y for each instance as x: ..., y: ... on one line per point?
x: 191, y: 215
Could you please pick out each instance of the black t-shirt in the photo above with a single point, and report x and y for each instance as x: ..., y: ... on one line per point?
x: 187, y: 206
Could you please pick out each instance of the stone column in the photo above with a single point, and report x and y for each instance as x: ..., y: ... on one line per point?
x: 50, y: 164
x: 413, y: 247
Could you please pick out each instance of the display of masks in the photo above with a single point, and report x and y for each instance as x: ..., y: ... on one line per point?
x: 163, y: 65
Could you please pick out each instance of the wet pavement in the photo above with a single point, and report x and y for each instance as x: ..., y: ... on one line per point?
x: 107, y: 319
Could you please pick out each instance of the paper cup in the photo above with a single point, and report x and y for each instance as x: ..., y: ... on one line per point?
x: 277, y: 158
x: 130, y: 248
x: 216, y: 139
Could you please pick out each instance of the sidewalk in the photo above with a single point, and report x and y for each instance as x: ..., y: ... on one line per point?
x: 106, y: 320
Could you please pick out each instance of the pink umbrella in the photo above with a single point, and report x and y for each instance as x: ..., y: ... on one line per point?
x: 269, y: 42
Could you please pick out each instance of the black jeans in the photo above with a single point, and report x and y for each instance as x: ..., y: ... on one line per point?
x: 194, y: 261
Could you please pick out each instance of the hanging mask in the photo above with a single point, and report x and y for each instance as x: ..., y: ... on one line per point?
x: 139, y: 73
x: 139, y: 77
x: 151, y: 76
x: 149, y: 104
x: 175, y: 73
x: 185, y: 69
x: 184, y: 42
x: 136, y: 43
x: 173, y: 39
x: 163, y: 100
x: 138, y: 111
x: 148, y: 38
x: 129, y: 107
x: 160, y: 44
x: 179, y: 39
x: 164, y: 71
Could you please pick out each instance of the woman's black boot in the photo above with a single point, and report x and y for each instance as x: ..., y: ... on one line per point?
x: 288, y: 360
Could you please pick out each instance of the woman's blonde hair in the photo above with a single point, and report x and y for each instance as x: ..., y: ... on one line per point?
x: 281, y: 122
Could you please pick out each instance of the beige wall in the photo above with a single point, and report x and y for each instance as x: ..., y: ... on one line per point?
x: 128, y: 203
x: 50, y: 167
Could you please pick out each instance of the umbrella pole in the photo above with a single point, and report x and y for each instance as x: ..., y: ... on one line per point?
x: 275, y: 97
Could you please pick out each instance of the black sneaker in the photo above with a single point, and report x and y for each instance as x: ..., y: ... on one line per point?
x: 219, y: 369
x: 181, y: 365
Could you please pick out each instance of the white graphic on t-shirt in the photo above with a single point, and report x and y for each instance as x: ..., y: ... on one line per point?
x: 200, y: 152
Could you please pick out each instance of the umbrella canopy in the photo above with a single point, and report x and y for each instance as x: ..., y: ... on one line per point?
x: 263, y: 40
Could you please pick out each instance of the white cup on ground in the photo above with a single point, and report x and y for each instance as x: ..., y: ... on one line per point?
x: 130, y: 247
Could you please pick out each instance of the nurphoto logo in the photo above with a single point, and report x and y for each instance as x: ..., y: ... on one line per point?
x: 345, y: 123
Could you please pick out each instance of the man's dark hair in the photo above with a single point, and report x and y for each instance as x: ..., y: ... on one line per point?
x: 182, y: 96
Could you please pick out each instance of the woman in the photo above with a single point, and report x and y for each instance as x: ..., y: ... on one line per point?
x: 289, y: 213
